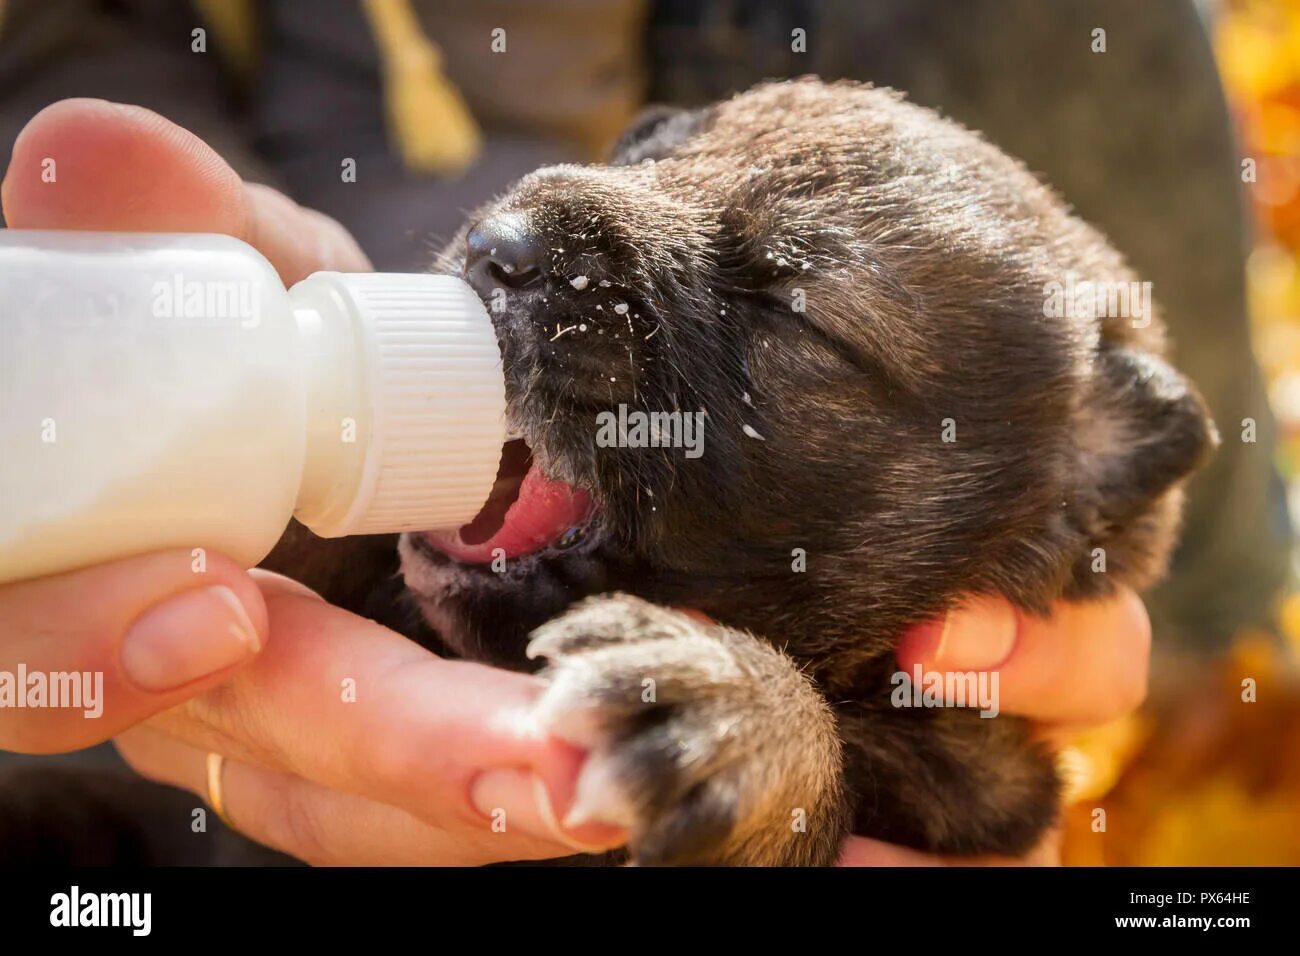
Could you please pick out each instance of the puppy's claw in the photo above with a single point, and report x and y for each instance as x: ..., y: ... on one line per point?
x: 582, y: 726
x: 600, y: 797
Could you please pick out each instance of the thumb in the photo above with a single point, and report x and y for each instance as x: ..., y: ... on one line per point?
x: 91, y: 164
x: 1084, y: 664
x: 87, y: 654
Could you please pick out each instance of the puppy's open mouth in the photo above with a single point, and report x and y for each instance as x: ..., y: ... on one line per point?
x: 525, y: 512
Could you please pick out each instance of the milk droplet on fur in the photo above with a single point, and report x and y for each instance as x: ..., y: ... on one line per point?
x: 579, y: 283
x: 621, y: 308
x: 748, y: 430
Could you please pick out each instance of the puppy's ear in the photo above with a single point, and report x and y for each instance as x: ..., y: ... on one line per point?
x: 655, y: 132
x: 1144, y: 430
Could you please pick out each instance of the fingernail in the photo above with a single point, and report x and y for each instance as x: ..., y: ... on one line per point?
x: 187, y: 637
x: 978, y: 635
x: 520, y: 798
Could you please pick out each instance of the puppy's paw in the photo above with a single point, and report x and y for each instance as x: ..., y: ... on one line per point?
x: 706, y: 744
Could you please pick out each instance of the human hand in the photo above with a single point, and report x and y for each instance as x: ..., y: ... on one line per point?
x: 1086, y: 665
x: 348, y: 744
x: 146, y: 631
x: 396, y: 776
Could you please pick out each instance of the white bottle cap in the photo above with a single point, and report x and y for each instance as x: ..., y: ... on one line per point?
x: 434, y: 395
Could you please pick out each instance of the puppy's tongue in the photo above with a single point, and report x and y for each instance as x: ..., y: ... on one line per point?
x: 524, y: 513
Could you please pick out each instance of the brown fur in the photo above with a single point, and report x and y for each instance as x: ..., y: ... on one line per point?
x: 923, y: 255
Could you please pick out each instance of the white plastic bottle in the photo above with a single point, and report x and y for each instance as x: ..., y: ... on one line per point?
x: 161, y: 391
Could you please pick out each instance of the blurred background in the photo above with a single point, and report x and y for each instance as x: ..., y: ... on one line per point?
x: 1201, y: 776
x: 1172, y: 125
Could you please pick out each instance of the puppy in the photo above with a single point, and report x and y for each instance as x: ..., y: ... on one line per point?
x: 885, y: 401
x: 868, y: 311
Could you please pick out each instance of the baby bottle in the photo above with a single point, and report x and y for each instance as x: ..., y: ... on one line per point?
x: 165, y: 391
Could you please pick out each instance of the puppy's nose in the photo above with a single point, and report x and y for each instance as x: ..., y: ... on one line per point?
x: 503, y: 251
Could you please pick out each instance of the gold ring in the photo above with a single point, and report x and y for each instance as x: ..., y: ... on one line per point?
x: 216, y: 763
